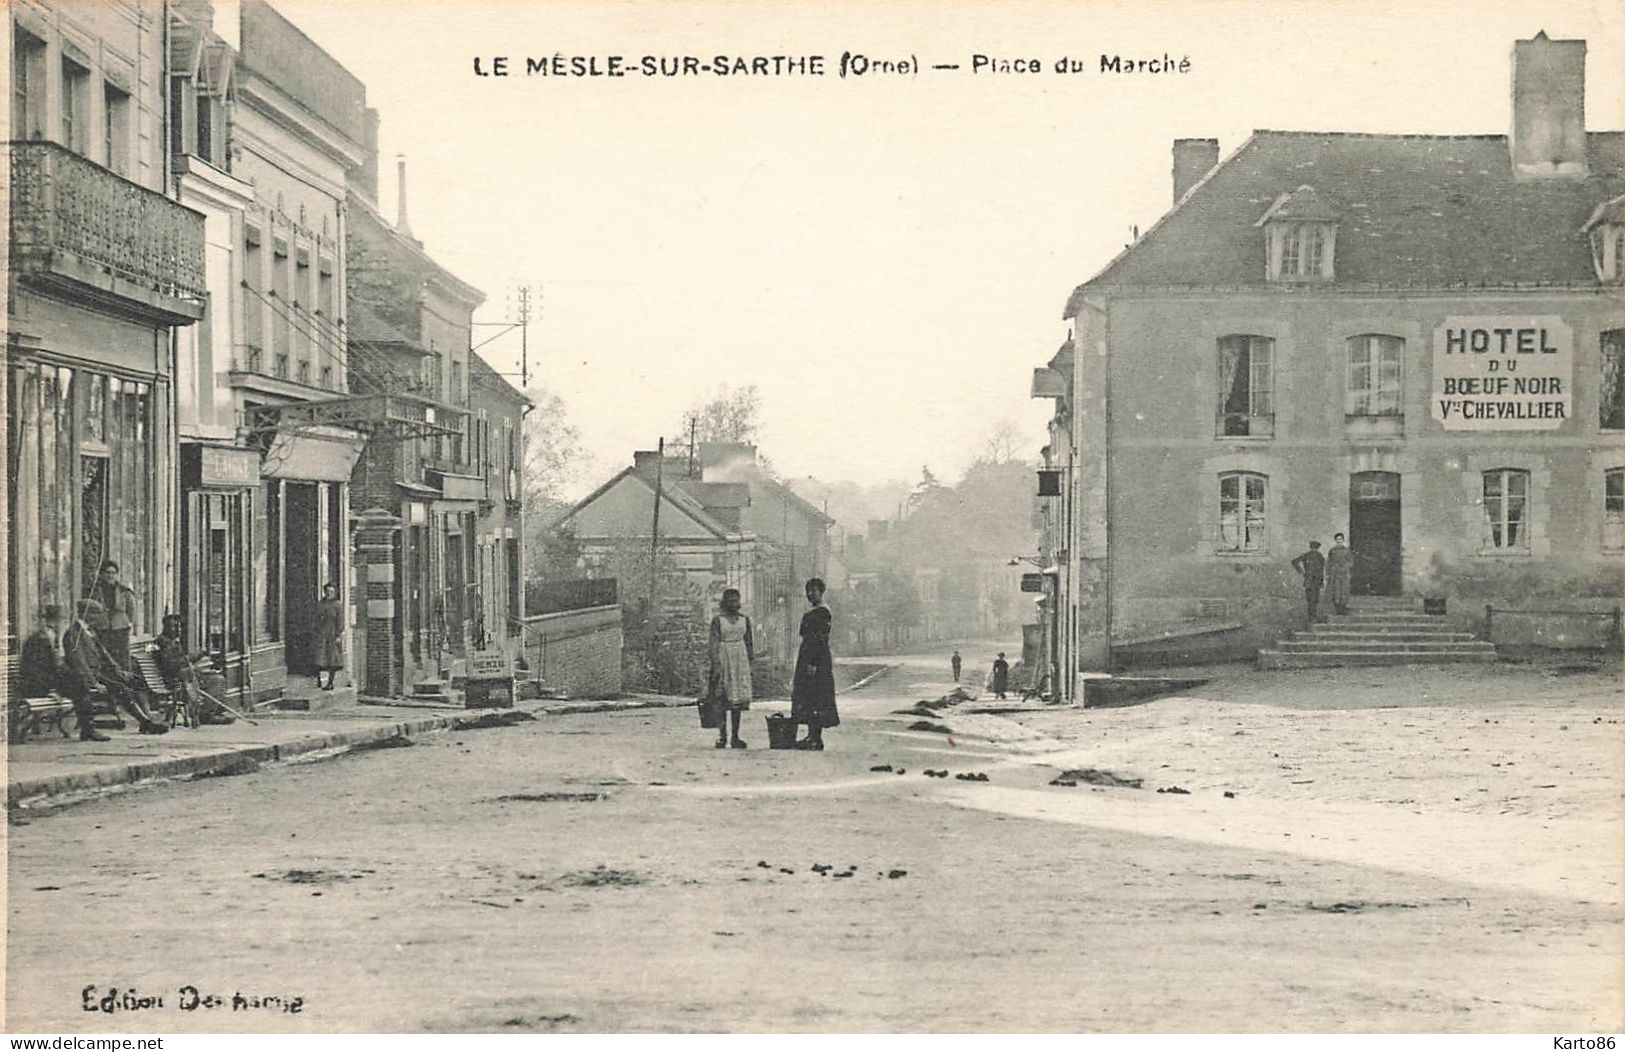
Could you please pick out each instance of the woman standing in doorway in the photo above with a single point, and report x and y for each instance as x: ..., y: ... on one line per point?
x: 329, y: 636
x: 731, y: 650
x: 812, y: 697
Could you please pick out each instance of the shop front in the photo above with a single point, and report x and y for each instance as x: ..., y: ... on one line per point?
x: 300, y: 541
x: 219, y: 488
x: 87, y: 463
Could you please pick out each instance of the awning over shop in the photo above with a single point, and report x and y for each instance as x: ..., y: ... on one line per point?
x: 314, y: 454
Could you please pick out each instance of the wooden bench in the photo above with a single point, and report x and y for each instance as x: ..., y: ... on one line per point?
x: 166, y: 699
x: 25, y: 716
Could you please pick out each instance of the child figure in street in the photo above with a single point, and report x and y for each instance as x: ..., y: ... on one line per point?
x: 731, y: 651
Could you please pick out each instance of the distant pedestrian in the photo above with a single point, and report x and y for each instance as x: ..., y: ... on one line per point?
x: 812, y: 695
x: 118, y: 603
x: 732, y: 649
x: 1311, y: 566
x: 1001, y: 676
x: 955, y: 661
x: 329, y: 636
x: 1339, y: 568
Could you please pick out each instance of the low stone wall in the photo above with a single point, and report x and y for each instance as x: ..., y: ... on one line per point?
x: 578, y: 651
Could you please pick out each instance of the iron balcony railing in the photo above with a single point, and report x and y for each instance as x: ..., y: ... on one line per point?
x: 64, y: 204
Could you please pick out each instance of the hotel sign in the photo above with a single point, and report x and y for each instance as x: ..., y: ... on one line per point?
x: 1503, y: 373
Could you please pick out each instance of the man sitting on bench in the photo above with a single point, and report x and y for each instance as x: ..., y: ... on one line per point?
x: 42, y: 671
x: 90, y: 667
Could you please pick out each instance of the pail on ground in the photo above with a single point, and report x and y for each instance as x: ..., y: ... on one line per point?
x: 781, y: 732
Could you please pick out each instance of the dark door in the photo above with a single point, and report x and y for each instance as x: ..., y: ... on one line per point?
x: 300, y: 562
x: 1374, y: 533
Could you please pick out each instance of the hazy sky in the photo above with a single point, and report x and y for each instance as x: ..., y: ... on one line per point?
x: 886, y: 257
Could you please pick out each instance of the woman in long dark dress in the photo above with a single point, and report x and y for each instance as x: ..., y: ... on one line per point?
x: 812, y: 696
x: 329, y: 636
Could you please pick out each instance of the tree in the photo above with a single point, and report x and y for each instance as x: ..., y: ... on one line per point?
x: 1000, y: 445
x: 730, y: 415
x: 553, y: 458
x: 925, y: 490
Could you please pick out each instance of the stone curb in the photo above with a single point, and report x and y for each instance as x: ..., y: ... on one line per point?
x: 36, y: 790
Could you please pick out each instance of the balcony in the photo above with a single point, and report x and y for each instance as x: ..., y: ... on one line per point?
x: 79, y: 229
x: 255, y: 369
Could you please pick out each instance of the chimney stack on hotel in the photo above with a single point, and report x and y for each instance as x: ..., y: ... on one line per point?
x: 1193, y: 158
x: 402, y: 227
x: 1548, y: 108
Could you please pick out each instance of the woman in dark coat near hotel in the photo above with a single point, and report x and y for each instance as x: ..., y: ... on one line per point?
x: 329, y: 636
x: 812, y: 696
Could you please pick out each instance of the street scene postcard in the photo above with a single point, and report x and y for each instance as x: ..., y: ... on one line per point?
x: 540, y: 517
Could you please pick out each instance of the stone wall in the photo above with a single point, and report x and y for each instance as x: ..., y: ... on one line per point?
x: 578, y: 651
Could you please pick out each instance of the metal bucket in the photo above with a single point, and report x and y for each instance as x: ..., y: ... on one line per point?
x: 781, y: 732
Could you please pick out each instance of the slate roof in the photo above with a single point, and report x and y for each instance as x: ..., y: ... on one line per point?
x: 1413, y: 211
x: 668, y: 494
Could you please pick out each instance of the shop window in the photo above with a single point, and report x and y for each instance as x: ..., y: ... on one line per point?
x: 1246, y: 381
x: 1613, y: 509
x: 1506, y: 509
x: 1611, y: 416
x: 1242, y: 518
x: 1376, y: 376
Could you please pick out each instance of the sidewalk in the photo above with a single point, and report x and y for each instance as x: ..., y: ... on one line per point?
x: 50, y: 766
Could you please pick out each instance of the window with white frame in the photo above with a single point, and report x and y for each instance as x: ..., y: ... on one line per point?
x: 1246, y: 383
x: 1611, y: 411
x: 1376, y: 376
x: 1300, y: 251
x: 1242, y: 512
x: 1506, y: 509
x: 1613, y: 509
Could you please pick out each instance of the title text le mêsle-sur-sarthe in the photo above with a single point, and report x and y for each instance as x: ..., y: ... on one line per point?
x: 847, y: 64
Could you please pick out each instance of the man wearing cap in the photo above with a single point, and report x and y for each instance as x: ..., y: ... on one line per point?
x: 89, y: 666
x: 1311, y: 566
x: 42, y: 671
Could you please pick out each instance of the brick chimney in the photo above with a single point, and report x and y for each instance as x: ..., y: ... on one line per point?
x: 644, y: 462
x: 402, y: 227
x: 1193, y: 158
x: 1548, y: 138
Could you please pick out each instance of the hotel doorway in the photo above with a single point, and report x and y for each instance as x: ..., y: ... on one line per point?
x: 1374, y: 533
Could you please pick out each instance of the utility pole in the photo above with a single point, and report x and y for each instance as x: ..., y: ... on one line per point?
x: 654, y: 547
x: 524, y: 332
x: 693, y: 436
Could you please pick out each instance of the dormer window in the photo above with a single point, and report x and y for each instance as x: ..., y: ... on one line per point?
x: 1606, y: 230
x: 1300, y: 237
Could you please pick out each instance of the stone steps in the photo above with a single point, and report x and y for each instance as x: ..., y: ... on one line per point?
x: 1276, y: 659
x: 1346, y: 631
x: 1385, y: 630
x: 1429, y: 646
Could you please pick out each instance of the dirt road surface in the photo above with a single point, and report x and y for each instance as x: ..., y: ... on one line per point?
x: 1379, y: 850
